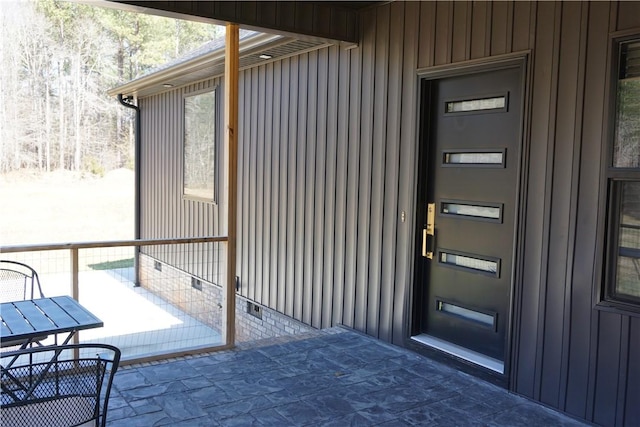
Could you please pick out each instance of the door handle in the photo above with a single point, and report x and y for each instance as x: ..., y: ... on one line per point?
x: 427, y: 249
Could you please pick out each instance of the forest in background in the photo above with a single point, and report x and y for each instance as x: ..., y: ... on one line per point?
x: 57, y: 60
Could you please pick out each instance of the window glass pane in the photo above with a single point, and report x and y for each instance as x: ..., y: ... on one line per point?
x: 199, y: 145
x: 626, y: 153
x: 628, y: 261
x: 630, y: 60
x: 627, y: 138
x: 627, y: 277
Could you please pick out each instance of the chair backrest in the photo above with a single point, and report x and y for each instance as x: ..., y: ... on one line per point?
x: 66, y: 385
x: 18, y: 282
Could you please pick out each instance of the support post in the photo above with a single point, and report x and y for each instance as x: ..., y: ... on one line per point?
x: 232, y: 49
x: 75, y: 285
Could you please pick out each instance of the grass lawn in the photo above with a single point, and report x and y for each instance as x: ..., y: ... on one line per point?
x: 63, y: 207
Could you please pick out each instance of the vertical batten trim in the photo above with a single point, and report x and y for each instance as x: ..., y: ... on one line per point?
x: 521, y: 26
x: 573, y: 208
x: 444, y: 33
x: 407, y: 164
x: 342, y: 150
x: 319, y: 206
x: 460, y: 31
x: 331, y: 194
x: 596, y: 320
x: 623, y: 371
x: 499, y: 28
x: 427, y: 35
x: 451, y: 27
x: 489, y: 30
x: 390, y: 212
x: 260, y: 214
x: 510, y: 19
x: 272, y: 178
x: 292, y: 88
x: 548, y: 193
x: 467, y: 50
x: 563, y: 118
x: 533, y: 21
x: 310, y: 139
x: 246, y: 178
x: 585, y: 280
x: 300, y: 141
x: 282, y: 139
x: 353, y: 176
x: 364, y: 189
x: 278, y: 212
x: 378, y: 164
x: 292, y: 187
x: 241, y: 203
x: 532, y: 246
x: 252, y: 178
x: 290, y: 145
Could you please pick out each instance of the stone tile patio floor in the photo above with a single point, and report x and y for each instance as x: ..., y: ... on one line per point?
x: 333, y: 377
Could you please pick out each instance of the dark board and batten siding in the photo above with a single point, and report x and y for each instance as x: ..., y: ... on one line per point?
x: 164, y: 211
x: 327, y: 166
x: 370, y: 259
x: 320, y: 182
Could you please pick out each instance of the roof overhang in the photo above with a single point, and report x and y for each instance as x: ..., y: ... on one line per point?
x: 211, y: 64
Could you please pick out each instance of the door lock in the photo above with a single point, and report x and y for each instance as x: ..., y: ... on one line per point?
x: 429, y: 233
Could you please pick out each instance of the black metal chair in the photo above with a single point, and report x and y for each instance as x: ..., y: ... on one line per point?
x: 18, y: 281
x: 61, y: 386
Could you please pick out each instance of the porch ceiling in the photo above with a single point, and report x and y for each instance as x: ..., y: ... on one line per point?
x: 332, y: 20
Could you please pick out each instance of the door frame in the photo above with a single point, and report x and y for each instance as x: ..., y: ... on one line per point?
x: 522, y: 61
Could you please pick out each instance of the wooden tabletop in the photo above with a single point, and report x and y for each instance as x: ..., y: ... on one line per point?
x: 26, y: 320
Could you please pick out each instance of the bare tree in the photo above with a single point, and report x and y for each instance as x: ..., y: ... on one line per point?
x: 57, y: 59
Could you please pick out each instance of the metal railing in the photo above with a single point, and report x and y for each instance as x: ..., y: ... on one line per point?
x: 157, y: 298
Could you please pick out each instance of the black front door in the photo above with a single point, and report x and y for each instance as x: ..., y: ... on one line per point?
x: 471, y: 133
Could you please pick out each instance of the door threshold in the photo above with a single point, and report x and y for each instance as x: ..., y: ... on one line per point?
x: 461, y: 352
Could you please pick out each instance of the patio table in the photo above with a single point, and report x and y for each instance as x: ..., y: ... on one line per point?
x: 23, y: 322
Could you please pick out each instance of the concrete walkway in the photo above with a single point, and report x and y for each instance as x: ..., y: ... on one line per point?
x: 332, y: 377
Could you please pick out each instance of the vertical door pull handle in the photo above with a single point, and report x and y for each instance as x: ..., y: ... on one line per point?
x: 425, y: 253
x: 429, y: 233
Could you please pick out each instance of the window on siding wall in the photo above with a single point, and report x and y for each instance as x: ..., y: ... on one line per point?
x: 623, y: 267
x: 199, y: 157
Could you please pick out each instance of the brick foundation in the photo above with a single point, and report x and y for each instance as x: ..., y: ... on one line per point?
x: 203, y: 301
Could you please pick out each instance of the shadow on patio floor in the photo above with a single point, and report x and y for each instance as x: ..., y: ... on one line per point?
x: 332, y: 377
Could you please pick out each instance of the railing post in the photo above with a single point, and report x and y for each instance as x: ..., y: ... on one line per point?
x: 74, y: 274
x: 75, y: 289
x: 231, y: 153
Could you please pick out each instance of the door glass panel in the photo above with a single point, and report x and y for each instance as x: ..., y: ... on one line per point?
x: 478, y: 264
x: 473, y: 158
x: 461, y: 209
x: 483, y: 104
x: 466, y: 313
